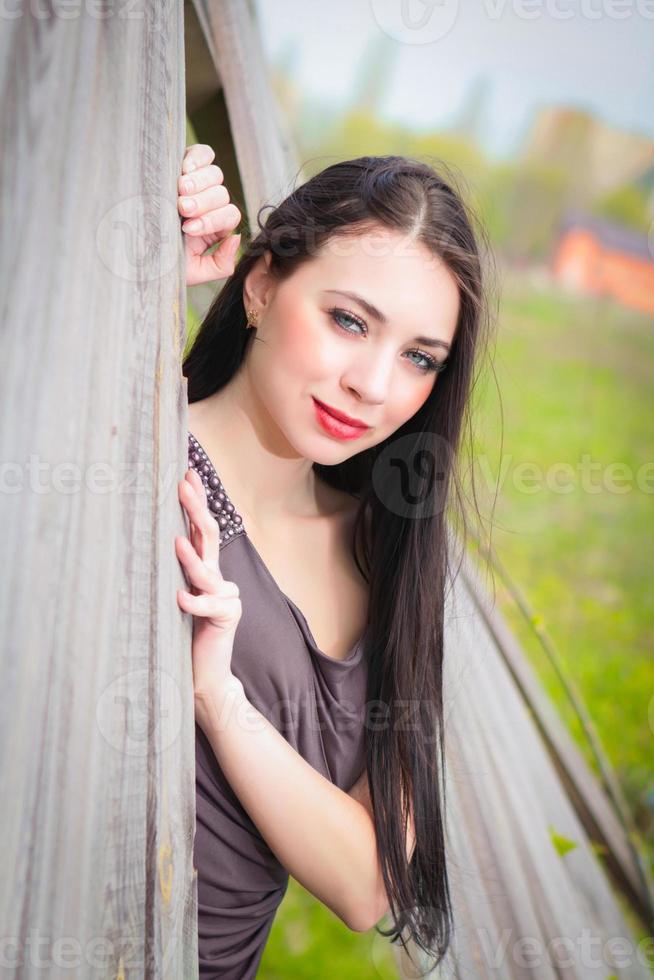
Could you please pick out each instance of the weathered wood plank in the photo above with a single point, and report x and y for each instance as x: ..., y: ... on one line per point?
x: 96, y: 703
x: 267, y: 158
x: 205, y: 101
x: 581, y: 784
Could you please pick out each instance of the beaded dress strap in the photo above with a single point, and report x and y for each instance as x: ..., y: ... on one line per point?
x: 230, y: 523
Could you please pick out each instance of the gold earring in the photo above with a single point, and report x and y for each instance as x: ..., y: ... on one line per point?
x: 253, y: 317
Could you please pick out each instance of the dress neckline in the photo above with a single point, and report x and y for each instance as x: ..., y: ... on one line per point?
x: 230, y: 524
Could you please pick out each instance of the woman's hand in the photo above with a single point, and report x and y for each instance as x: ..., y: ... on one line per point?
x: 204, y: 201
x: 214, y: 602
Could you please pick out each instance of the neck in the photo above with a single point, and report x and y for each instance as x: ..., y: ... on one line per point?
x: 267, y: 477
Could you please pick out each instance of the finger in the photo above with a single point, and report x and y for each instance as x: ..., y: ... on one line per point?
x: 224, y: 614
x: 198, y: 513
x: 217, y: 602
x: 207, y: 549
x: 223, y: 611
x: 218, y: 264
x: 198, y: 573
x: 200, y: 179
x: 195, y: 481
x: 194, y: 535
x: 197, y: 155
x: 207, y: 528
x: 198, y: 204
x: 196, y: 538
x: 222, y: 220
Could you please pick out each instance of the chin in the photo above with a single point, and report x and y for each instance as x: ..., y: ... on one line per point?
x: 321, y: 449
x: 309, y: 441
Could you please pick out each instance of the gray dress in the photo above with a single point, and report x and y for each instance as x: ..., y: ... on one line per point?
x: 316, y: 702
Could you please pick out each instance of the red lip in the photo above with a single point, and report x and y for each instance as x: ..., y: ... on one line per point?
x: 341, y: 416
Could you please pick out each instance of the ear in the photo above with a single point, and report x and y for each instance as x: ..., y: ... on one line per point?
x: 258, y: 283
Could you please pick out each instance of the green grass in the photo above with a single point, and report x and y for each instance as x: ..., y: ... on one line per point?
x: 308, y: 940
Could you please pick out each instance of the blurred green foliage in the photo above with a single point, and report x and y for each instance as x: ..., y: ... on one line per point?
x: 308, y: 940
x: 521, y: 201
x: 627, y: 205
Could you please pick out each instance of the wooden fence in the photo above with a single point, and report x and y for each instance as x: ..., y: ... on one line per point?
x: 97, y: 730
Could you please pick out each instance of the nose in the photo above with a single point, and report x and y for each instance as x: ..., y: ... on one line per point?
x: 369, y: 375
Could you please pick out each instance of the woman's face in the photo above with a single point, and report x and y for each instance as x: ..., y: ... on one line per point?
x: 315, y: 343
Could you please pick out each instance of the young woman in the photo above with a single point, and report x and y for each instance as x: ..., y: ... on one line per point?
x: 328, y: 389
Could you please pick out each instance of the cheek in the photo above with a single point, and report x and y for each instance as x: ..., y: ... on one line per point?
x: 407, y: 402
x: 304, y: 347
x: 296, y: 341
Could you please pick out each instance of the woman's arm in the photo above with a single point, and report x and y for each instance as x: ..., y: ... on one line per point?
x: 324, y: 837
x: 361, y: 792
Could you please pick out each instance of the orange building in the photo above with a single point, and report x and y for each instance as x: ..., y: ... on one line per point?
x: 598, y: 256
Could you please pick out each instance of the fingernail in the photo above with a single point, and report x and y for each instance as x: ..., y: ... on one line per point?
x: 188, y: 203
x: 194, y: 225
x: 190, y: 167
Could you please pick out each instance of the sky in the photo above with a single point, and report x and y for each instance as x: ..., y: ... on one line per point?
x: 592, y: 54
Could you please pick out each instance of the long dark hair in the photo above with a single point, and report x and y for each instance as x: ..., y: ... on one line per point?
x: 400, y: 541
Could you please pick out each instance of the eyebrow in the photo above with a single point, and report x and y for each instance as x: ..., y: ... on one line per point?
x: 372, y: 311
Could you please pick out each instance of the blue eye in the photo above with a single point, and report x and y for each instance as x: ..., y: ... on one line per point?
x: 430, y: 363
x: 336, y: 314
